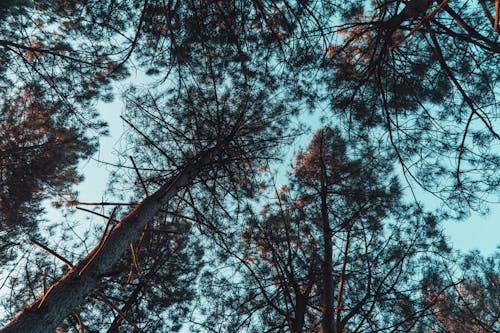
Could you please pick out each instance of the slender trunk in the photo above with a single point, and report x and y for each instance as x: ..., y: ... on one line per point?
x: 300, y: 311
x: 327, y: 306
x: 49, y: 310
x: 328, y: 289
x: 340, y: 292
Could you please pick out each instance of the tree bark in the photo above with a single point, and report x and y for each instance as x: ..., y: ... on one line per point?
x: 49, y: 310
x: 412, y: 9
x: 327, y: 306
x: 300, y: 311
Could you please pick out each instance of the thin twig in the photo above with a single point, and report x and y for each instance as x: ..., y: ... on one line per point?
x: 74, y: 203
x: 136, y: 37
x: 487, y: 11
x: 160, y: 231
x: 95, y: 213
x: 149, y: 141
x: 58, y: 256
x: 137, y: 248
x: 102, y: 241
x: 140, y: 178
x: 134, y: 260
x: 497, y: 14
x: 445, y: 67
x: 79, y: 321
x: 120, y: 313
x: 44, y: 281
x: 44, y: 297
x: 28, y: 281
x: 53, y: 52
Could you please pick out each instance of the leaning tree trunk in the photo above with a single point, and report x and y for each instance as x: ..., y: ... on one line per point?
x: 49, y: 310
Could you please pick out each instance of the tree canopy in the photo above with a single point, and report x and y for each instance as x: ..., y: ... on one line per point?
x: 404, y: 100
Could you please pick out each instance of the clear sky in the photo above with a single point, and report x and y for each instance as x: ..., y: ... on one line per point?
x: 482, y: 233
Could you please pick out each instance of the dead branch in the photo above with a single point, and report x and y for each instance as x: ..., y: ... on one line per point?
x: 58, y: 256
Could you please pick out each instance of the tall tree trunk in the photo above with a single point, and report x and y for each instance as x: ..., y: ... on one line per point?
x: 49, y: 310
x: 300, y: 311
x: 327, y: 306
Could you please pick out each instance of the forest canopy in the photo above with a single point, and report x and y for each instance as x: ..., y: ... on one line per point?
x: 213, y: 223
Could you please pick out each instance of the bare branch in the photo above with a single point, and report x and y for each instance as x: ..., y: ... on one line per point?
x: 58, y: 256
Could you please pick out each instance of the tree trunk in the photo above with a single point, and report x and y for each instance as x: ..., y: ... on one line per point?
x: 327, y: 306
x: 49, y: 310
x: 300, y: 311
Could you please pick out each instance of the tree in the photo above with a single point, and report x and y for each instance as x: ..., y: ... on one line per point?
x: 337, y: 250
x: 218, y: 145
x: 397, y: 79
x: 50, y: 81
x: 156, y: 277
x: 228, y: 77
x: 38, y: 157
x: 415, y: 80
x: 472, y: 305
